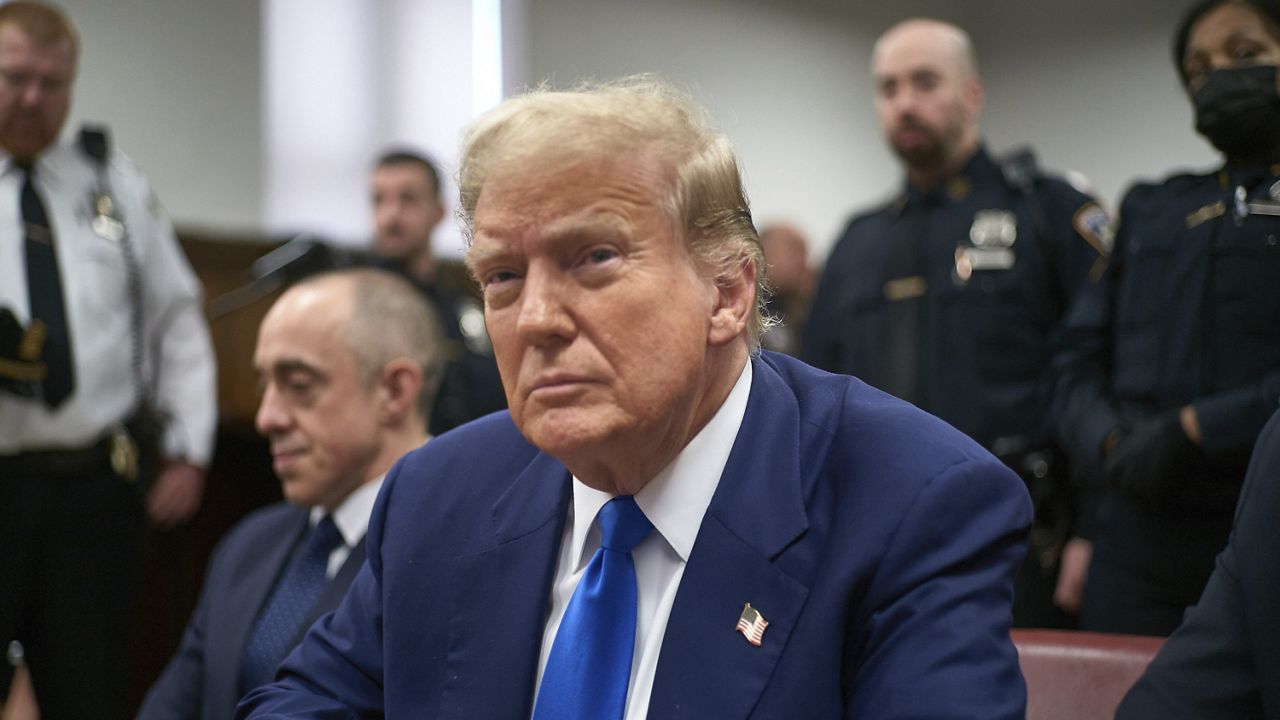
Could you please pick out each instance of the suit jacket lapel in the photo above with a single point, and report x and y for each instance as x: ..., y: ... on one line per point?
x: 229, y: 635
x: 706, y: 669
x: 502, y: 592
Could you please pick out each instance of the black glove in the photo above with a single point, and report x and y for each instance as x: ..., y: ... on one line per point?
x: 20, y: 367
x: 1148, y: 456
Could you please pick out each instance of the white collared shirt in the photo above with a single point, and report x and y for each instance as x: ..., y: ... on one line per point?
x: 179, y: 362
x: 675, y: 501
x: 352, y: 519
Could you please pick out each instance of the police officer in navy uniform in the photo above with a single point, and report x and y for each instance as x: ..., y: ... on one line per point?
x: 1173, y: 362
x: 951, y: 295
x: 406, y: 209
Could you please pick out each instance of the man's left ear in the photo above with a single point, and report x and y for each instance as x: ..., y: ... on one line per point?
x: 735, y: 303
x: 398, y: 386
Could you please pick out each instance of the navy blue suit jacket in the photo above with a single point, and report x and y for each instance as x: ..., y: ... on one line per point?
x: 202, y: 679
x: 878, y: 542
x: 1224, y: 660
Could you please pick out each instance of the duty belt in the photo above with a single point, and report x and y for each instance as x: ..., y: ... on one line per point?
x: 60, y: 464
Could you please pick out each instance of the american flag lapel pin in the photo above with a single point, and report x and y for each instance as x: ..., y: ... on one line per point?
x: 752, y: 624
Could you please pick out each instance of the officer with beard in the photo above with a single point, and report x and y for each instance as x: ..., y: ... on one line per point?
x: 407, y: 207
x: 951, y: 296
x: 1173, y: 359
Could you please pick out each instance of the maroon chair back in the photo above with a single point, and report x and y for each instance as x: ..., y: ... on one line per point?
x: 1079, y: 675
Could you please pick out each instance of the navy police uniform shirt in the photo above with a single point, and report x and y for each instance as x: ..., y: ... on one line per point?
x: 990, y: 291
x: 1188, y: 312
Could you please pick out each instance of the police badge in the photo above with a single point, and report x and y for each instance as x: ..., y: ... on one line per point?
x: 993, y: 229
x: 993, y: 234
x: 106, y: 223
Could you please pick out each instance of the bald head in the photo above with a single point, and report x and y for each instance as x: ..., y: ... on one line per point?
x: 347, y: 363
x: 928, y: 97
x: 786, y: 257
x: 949, y: 44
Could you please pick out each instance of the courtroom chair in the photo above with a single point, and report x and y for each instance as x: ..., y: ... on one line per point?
x: 1080, y: 675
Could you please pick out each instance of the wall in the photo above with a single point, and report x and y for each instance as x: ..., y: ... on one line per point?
x: 1089, y: 84
x: 179, y: 84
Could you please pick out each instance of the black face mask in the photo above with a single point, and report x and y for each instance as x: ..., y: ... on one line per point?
x: 1238, y: 110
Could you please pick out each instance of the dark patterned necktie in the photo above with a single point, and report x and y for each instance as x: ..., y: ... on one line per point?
x: 290, y: 604
x: 44, y: 289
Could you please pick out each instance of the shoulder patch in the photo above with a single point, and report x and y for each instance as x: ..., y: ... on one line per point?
x: 1094, y: 225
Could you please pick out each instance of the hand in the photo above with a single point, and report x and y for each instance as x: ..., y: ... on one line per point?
x: 1073, y: 568
x: 1147, y: 456
x: 21, y: 704
x: 176, y: 495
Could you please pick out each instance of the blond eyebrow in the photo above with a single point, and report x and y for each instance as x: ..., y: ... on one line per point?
x: 565, y: 227
x: 478, y: 255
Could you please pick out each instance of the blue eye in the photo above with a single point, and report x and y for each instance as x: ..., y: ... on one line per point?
x: 600, y: 255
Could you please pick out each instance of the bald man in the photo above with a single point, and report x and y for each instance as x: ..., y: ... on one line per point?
x: 791, y: 279
x: 349, y: 364
x: 950, y: 295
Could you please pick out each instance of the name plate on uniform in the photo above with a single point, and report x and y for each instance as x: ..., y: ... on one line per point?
x: 907, y: 288
x: 972, y: 259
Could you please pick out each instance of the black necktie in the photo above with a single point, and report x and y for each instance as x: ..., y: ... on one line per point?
x: 44, y: 288
x: 906, y: 288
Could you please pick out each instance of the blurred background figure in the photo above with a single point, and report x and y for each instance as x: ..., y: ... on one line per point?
x: 791, y: 281
x: 407, y: 207
x: 115, y: 426
x: 950, y: 296
x: 349, y: 364
x: 1173, y: 358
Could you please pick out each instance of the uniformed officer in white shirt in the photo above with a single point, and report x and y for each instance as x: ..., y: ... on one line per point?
x: 108, y: 320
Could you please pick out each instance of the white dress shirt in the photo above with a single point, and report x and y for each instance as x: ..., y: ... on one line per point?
x: 352, y: 519
x: 179, y: 360
x: 675, y: 502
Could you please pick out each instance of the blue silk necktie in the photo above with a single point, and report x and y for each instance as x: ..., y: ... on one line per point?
x: 289, y: 605
x: 589, y: 667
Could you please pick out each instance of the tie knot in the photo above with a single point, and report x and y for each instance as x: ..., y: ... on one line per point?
x: 623, y: 524
x: 323, y: 538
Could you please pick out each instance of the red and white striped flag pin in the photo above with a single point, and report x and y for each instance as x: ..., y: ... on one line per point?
x: 752, y: 624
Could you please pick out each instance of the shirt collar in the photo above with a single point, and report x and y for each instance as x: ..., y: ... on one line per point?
x: 979, y: 169
x: 677, y: 498
x: 352, y: 516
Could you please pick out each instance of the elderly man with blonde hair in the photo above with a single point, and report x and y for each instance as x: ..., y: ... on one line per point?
x: 668, y: 522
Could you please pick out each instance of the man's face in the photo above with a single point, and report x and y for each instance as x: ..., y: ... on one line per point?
x: 925, y: 100
x: 35, y: 92
x: 405, y: 211
x: 598, y: 316
x: 322, y: 422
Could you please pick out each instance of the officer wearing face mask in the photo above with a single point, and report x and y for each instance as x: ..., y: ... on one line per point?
x: 1173, y: 359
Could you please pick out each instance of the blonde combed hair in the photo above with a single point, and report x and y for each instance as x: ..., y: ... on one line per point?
x: 638, y: 115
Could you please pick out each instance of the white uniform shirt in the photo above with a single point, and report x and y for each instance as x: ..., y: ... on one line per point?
x: 675, y: 501
x: 179, y: 359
